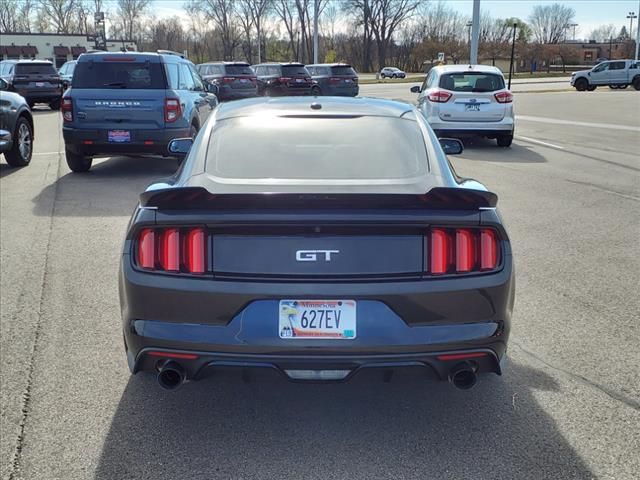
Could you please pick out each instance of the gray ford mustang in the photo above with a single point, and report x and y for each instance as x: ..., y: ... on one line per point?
x: 317, y: 238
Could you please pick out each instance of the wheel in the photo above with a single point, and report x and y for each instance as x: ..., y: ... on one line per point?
x: 622, y: 87
x: 383, y: 76
x: 591, y: 88
x: 613, y: 87
x: 22, y: 149
x: 55, y: 105
x: 394, y: 76
x: 581, y: 84
x: 315, y: 91
x: 636, y: 83
x: 504, y: 140
x: 77, y: 163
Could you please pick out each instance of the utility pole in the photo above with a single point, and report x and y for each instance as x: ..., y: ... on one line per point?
x: 475, y: 33
x: 637, y: 34
x: 631, y: 16
x: 513, y: 51
x: 573, y: 25
x: 315, y: 31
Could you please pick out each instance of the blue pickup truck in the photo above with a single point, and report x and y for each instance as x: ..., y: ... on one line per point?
x: 131, y: 103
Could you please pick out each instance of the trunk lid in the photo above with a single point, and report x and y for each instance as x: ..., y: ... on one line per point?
x: 472, y: 107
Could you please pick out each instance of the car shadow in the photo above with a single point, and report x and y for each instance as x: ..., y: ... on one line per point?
x: 486, y: 150
x: 225, y: 428
x: 6, y: 170
x: 111, y: 187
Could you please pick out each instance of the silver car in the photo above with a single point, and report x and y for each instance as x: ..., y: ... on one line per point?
x: 467, y: 100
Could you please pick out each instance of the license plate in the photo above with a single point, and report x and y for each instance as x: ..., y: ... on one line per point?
x: 39, y: 84
x: 119, y: 136
x: 243, y: 80
x: 472, y: 107
x: 299, y: 80
x: 318, y: 319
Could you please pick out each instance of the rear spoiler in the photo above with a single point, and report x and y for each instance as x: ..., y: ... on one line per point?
x: 180, y: 198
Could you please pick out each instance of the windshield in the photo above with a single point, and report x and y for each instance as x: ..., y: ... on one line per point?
x: 472, y: 82
x: 141, y: 75
x: 35, y: 69
x: 297, y: 70
x: 317, y: 148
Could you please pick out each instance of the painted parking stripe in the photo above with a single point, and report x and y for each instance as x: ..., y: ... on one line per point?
x: 539, y: 142
x: 557, y: 121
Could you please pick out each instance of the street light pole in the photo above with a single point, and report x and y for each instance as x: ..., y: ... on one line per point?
x: 637, y: 35
x: 475, y: 33
x: 513, y: 50
x: 315, y: 31
x: 631, y: 16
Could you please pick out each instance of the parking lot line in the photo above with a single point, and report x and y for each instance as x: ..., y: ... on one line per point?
x: 540, y: 142
x: 558, y: 121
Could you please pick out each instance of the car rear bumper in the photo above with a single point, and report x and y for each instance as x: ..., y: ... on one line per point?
x: 503, y: 127
x: 94, y: 142
x: 228, y: 93
x: 235, y: 323
x: 33, y: 96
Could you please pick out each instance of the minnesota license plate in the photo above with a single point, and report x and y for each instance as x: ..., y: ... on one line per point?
x: 472, y: 107
x: 39, y: 84
x: 119, y: 136
x: 319, y: 319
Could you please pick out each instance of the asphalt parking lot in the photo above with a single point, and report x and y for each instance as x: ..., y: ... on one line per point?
x: 567, y: 407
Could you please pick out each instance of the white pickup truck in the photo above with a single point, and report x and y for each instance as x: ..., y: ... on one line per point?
x: 614, y: 73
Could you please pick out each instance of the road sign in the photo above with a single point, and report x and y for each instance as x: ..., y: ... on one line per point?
x: 441, y: 56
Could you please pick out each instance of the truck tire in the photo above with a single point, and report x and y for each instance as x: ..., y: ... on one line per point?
x: 504, y: 140
x: 636, y: 83
x: 591, y: 88
x: 77, y: 163
x: 581, y: 84
x: 22, y: 148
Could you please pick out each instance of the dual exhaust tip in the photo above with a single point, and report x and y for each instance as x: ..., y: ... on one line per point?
x: 172, y: 376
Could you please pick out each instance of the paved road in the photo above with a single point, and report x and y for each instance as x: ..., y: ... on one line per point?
x: 568, y: 406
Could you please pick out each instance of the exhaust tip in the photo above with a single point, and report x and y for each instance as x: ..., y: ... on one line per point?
x: 171, y: 376
x: 463, y: 377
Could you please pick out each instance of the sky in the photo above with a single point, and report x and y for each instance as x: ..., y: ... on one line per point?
x: 589, y: 13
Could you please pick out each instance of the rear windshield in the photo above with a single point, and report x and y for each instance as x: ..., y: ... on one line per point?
x: 472, y: 82
x: 343, y: 71
x: 35, y: 69
x: 316, y: 148
x: 119, y: 75
x: 290, y: 70
x: 239, y: 70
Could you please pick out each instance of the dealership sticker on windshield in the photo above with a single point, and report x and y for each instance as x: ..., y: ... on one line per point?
x: 317, y: 319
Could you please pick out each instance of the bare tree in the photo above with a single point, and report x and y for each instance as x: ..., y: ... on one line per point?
x: 253, y: 14
x: 9, y: 16
x: 386, y: 17
x: 129, y: 14
x: 285, y: 11
x: 603, y: 33
x: 59, y: 14
x: 223, y: 14
x: 548, y: 22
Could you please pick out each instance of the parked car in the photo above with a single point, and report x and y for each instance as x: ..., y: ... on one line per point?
x: 16, y: 127
x: 615, y: 73
x: 289, y: 242
x: 131, y: 103
x: 281, y: 79
x: 233, y: 79
x: 392, y: 72
x: 336, y: 79
x: 467, y: 99
x: 66, y: 73
x: 36, y: 80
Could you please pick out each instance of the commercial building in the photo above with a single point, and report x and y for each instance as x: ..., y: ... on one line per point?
x: 57, y: 47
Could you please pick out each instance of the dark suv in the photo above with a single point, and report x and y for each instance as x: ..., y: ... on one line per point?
x: 36, y: 80
x: 233, y: 79
x: 131, y: 103
x: 283, y: 79
x: 336, y: 79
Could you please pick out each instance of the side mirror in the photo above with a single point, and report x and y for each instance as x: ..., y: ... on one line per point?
x: 451, y: 146
x: 415, y: 89
x: 212, y: 88
x: 3, y: 85
x: 179, y: 147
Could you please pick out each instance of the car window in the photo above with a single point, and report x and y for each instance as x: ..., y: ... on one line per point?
x: 471, y: 82
x: 35, y: 69
x: 172, y: 75
x: 185, y: 81
x: 63, y: 69
x: 288, y: 70
x: 317, y: 148
x: 343, y: 70
x: 115, y: 74
x: 239, y: 70
x: 617, y: 66
x: 273, y: 70
x: 199, y: 86
x: 601, y: 68
x: 312, y: 70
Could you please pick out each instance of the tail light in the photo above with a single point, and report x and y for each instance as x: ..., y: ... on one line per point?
x: 67, y: 109
x: 439, y: 96
x: 504, y: 97
x: 174, y: 250
x: 355, y: 79
x: 253, y: 80
x: 285, y: 79
x: 228, y: 79
x: 172, y: 110
x: 462, y: 250
x: 335, y: 80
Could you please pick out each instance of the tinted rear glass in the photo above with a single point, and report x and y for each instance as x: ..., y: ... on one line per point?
x: 119, y: 75
x: 289, y: 70
x: 307, y: 148
x: 472, y: 82
x: 343, y: 71
x: 35, y: 69
x: 239, y: 70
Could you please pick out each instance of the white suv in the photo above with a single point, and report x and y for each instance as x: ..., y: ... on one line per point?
x: 467, y: 99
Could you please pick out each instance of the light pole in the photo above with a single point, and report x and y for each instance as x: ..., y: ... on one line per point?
x: 475, y: 33
x: 631, y: 16
x: 637, y: 35
x: 315, y: 30
x: 573, y: 25
x: 469, y: 25
x: 513, y: 51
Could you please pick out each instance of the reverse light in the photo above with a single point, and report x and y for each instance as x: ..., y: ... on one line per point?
x: 504, y: 97
x: 67, y: 109
x: 439, y: 96
x: 172, y: 110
